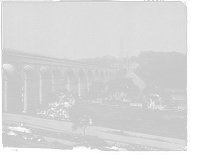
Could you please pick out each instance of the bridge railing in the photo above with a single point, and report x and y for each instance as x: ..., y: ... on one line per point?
x: 19, y: 54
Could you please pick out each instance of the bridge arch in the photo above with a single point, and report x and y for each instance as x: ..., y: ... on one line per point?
x: 73, y: 81
x: 106, y: 75
x: 12, y: 90
x: 44, y: 72
x: 10, y: 71
x: 102, y: 75
x: 82, y: 83
x: 90, y: 78
x: 96, y: 75
x: 110, y: 75
x: 57, y: 80
x: 66, y: 80
x: 30, y: 89
x: 45, y: 83
x: 30, y: 72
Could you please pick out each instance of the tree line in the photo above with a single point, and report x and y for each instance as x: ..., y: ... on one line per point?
x: 161, y: 69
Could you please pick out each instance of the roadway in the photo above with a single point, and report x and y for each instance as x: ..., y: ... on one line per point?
x: 148, y: 140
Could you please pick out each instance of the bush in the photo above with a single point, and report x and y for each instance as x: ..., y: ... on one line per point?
x: 122, y: 89
x: 39, y: 139
x: 21, y: 124
x: 10, y: 132
x: 84, y: 120
x: 55, y: 143
x: 153, y: 96
x: 96, y: 89
x: 57, y: 105
x: 27, y: 136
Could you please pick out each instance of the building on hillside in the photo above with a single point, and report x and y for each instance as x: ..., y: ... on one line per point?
x: 133, y: 66
x: 180, y: 101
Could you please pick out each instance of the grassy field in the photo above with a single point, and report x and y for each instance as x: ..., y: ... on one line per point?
x: 21, y: 143
x: 163, y: 123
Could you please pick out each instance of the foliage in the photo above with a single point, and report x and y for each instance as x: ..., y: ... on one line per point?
x: 122, y: 89
x: 22, y: 125
x: 97, y: 89
x: 121, y: 73
x: 83, y: 120
x: 27, y: 137
x: 55, y: 143
x: 39, y: 139
x: 153, y: 96
x: 57, y: 105
x: 163, y: 69
x: 10, y: 132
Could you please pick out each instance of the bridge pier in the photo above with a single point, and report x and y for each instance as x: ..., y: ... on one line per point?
x: 31, y: 95
x: 45, y: 88
x: 82, y: 89
x: 57, y: 84
x: 12, y: 96
x: 88, y: 86
x: 73, y: 87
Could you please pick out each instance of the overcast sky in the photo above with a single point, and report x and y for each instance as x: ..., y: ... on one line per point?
x: 87, y: 29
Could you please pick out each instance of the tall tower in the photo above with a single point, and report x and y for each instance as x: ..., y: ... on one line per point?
x: 121, y: 52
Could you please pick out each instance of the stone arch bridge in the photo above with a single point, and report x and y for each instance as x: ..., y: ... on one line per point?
x: 27, y: 78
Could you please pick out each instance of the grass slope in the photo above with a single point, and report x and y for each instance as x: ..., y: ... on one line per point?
x: 164, y: 123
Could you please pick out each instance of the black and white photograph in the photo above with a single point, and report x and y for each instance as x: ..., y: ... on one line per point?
x: 94, y: 75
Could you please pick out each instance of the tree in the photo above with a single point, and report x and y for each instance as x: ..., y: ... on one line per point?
x: 83, y: 120
x: 122, y: 89
x: 163, y: 69
x: 153, y: 96
x: 121, y: 73
x: 57, y: 105
x: 97, y: 89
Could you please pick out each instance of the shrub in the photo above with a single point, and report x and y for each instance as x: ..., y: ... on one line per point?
x: 96, y: 89
x: 55, y: 143
x: 10, y: 132
x: 57, y: 105
x: 153, y: 96
x: 21, y: 124
x: 122, y: 89
x: 27, y: 136
x: 83, y: 120
x: 39, y: 139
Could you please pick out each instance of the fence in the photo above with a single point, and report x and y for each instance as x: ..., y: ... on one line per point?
x: 107, y: 102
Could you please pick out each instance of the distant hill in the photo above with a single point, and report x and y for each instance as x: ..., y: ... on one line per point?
x: 108, y: 61
x: 164, y: 69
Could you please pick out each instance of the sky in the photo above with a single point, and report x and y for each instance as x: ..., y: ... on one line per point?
x: 76, y: 30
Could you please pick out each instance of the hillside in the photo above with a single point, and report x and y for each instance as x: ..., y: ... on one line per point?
x: 163, y: 69
x: 109, y: 61
x: 168, y: 67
